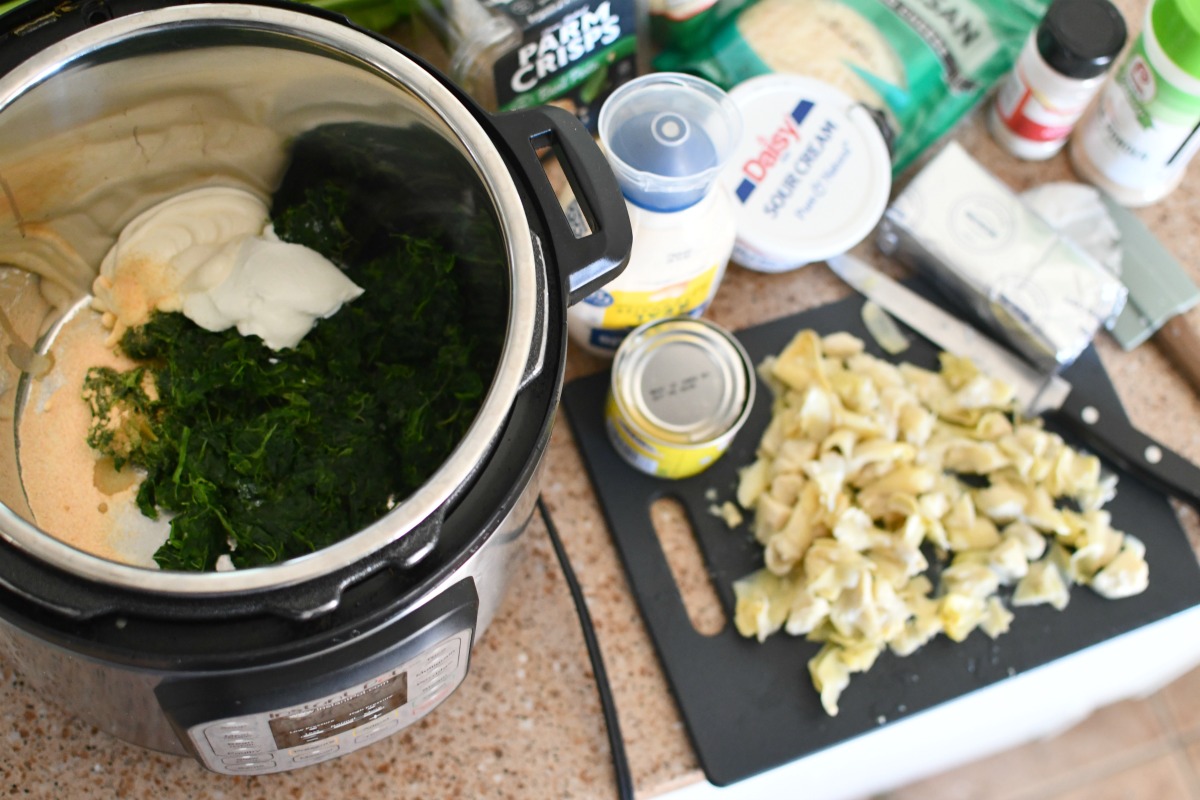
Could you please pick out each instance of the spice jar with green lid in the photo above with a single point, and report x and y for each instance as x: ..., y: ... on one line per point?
x: 1136, y: 142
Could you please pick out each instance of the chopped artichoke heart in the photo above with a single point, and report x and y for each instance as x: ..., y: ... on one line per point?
x: 752, y: 482
x: 884, y: 329
x: 842, y: 345
x: 1124, y: 576
x: 860, y: 474
x: 1009, y: 560
x: 1043, y: 583
x: 762, y: 604
x: 960, y: 614
x: 996, y: 618
x: 830, y: 676
x: 729, y: 512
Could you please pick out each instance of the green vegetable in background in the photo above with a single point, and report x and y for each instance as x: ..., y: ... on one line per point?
x: 268, y: 455
x: 375, y: 15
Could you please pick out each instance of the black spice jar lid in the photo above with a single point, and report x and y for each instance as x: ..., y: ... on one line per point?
x: 1080, y: 38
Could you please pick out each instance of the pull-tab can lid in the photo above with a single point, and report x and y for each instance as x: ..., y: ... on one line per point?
x: 667, y: 135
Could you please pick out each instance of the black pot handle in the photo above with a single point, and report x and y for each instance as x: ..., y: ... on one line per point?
x: 585, y: 263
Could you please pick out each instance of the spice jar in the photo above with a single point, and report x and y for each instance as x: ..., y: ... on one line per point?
x: 1136, y: 142
x: 1057, y: 73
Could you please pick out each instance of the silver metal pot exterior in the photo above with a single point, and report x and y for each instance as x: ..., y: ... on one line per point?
x: 120, y: 699
x: 98, y: 126
x: 111, y: 120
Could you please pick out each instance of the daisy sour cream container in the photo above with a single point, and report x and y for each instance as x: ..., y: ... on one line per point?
x: 811, y: 176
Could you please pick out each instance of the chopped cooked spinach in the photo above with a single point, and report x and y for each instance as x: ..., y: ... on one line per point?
x: 267, y: 455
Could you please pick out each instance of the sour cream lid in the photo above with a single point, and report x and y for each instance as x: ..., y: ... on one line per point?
x: 811, y: 175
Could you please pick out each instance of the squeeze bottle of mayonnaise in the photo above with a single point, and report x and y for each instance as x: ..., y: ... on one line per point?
x: 667, y: 137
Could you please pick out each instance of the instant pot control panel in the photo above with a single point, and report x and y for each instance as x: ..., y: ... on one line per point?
x: 335, y: 724
x: 285, y: 716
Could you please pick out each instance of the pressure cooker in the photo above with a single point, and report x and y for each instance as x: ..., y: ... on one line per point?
x: 109, y: 106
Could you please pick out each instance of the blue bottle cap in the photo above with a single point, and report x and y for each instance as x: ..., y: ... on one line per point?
x: 667, y: 136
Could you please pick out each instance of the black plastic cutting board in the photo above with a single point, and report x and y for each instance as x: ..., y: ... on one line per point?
x: 749, y: 707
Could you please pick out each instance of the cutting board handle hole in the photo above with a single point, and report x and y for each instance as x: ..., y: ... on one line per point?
x: 679, y: 545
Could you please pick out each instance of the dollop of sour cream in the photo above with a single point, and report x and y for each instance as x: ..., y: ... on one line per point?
x: 212, y: 254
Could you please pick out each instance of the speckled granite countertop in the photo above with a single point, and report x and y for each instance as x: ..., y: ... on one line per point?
x: 527, y: 722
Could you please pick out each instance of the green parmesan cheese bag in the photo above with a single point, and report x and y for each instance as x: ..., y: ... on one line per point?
x: 687, y: 24
x: 923, y: 63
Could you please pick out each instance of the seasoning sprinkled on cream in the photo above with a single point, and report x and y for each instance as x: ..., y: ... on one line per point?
x: 212, y: 254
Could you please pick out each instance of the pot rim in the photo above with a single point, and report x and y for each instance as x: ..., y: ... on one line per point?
x: 391, y: 64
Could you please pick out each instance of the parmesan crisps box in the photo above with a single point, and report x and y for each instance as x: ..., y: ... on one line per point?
x: 512, y: 54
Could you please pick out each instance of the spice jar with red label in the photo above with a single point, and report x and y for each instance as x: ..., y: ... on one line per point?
x: 1060, y: 69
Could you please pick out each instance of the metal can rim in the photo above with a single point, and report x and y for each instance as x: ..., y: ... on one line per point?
x: 636, y: 355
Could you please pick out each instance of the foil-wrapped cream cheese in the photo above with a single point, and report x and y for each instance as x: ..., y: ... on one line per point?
x: 963, y: 227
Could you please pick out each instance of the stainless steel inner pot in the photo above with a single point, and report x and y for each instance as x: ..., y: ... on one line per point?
x: 103, y: 124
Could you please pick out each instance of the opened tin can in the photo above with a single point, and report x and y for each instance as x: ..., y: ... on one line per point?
x: 681, y: 389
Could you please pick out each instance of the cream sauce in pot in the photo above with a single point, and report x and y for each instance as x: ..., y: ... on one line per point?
x: 202, y: 253
x: 71, y: 490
